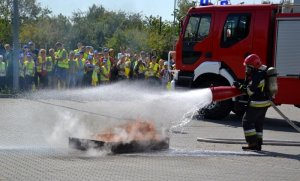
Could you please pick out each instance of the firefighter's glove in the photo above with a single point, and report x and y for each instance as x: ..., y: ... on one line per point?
x: 240, y: 86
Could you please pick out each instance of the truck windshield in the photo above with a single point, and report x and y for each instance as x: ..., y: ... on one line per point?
x: 198, y: 28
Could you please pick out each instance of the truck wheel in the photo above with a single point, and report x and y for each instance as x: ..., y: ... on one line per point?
x: 217, y: 110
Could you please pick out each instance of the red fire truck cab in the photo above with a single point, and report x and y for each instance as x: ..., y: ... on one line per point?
x: 214, y: 40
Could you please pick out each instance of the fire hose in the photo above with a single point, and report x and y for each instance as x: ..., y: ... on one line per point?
x: 285, y: 118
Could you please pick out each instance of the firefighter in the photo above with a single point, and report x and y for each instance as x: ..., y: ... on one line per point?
x: 255, y: 87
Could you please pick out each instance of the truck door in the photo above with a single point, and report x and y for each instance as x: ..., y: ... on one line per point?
x: 234, y: 40
x: 196, y: 41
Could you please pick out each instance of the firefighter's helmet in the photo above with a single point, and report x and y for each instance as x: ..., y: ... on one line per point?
x: 252, y: 60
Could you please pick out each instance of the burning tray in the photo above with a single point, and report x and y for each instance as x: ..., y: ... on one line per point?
x: 119, y: 147
x: 137, y: 136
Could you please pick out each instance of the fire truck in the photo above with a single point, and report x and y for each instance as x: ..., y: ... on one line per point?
x: 215, y: 39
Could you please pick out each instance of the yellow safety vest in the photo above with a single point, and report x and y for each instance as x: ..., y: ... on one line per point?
x: 127, y: 68
x: 105, y: 71
x: 49, y: 64
x: 2, y: 69
x: 40, y: 64
x: 63, y: 63
x: 21, y: 70
x: 29, y: 68
x: 153, y: 67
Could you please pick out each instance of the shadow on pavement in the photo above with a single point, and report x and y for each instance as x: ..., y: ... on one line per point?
x: 280, y: 155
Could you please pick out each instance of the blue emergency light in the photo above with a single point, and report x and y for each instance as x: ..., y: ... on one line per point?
x: 224, y: 2
x: 204, y: 2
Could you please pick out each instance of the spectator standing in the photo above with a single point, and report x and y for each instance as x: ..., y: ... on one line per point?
x: 22, y: 72
x: 165, y: 76
x: 50, y: 63
x: 34, y: 54
x: 89, y: 68
x: 73, y: 68
x: 29, y: 72
x: 2, y: 73
x: 62, y: 65
x: 153, y: 71
x: 104, y: 72
x: 41, y: 69
x: 140, y: 66
x: 121, y: 67
x: 8, y: 58
x: 81, y: 69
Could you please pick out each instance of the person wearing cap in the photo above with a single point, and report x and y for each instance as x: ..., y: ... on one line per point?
x: 29, y: 72
x: 62, y: 65
x: 104, y: 72
x: 89, y: 69
x: 2, y: 73
x: 109, y: 62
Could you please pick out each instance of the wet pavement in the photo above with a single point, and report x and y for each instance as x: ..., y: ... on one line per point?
x: 34, y: 146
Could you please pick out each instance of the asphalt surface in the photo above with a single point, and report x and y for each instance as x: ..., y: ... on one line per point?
x: 34, y: 146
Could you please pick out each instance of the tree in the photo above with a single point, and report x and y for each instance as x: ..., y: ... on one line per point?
x: 29, y: 10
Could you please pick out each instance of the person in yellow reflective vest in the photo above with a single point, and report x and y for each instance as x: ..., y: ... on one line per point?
x: 140, y: 69
x: 127, y: 66
x: 104, y: 72
x: 41, y: 68
x: 153, y: 72
x: 2, y: 74
x: 29, y: 72
x: 62, y: 65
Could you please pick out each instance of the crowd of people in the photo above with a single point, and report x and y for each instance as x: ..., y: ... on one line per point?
x: 58, y: 68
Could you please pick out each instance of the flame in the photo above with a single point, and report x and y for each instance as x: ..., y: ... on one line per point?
x: 133, y: 131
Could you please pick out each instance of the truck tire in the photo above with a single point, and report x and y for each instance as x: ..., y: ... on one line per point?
x: 217, y: 110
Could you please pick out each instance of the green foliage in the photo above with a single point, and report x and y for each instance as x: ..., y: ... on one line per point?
x: 183, y: 7
x: 97, y: 27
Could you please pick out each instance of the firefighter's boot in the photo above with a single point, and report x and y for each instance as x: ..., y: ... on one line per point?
x: 254, y: 147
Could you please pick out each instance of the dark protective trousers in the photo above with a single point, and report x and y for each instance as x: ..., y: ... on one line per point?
x: 253, y: 120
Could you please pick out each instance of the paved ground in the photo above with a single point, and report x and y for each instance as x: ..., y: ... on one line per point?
x: 34, y: 146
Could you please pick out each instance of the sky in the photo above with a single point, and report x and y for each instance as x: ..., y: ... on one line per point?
x: 163, y: 8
